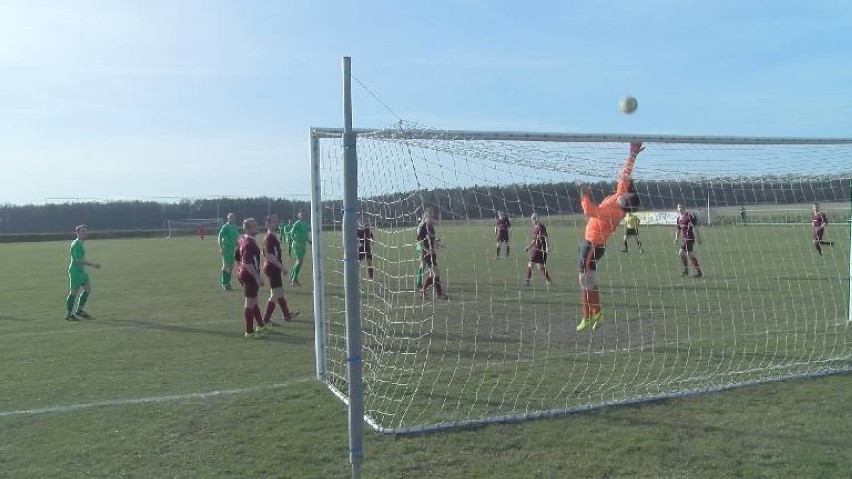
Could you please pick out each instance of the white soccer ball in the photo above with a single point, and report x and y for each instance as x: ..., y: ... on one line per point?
x: 628, y: 105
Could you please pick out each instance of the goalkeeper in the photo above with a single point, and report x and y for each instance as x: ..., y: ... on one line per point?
x: 603, y: 221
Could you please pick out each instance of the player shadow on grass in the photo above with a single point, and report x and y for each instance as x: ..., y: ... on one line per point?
x: 276, y: 334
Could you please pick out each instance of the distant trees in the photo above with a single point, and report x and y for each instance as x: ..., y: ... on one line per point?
x: 476, y: 202
x: 135, y: 215
x: 563, y: 198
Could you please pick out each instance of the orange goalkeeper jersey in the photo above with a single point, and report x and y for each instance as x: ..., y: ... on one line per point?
x: 605, y: 217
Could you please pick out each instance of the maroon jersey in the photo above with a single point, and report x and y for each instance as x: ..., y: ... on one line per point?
x: 686, y: 223
x: 426, y: 237
x: 271, y: 246
x: 819, y: 220
x: 503, y: 225
x: 539, y: 239
x: 502, y: 229
x: 365, y: 239
x: 247, y: 252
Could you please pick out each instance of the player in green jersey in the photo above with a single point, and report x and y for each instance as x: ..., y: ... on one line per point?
x: 280, y: 231
x: 77, y: 276
x: 227, y: 243
x: 284, y: 236
x: 298, y: 240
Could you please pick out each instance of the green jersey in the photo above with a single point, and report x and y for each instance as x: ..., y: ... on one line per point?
x: 298, y: 238
x: 299, y: 234
x: 77, y: 275
x: 284, y: 232
x: 76, y: 255
x: 228, y: 237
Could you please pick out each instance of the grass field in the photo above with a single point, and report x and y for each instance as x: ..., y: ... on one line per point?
x: 160, y: 382
x: 768, y: 307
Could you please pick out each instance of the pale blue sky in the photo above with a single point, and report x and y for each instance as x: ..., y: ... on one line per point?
x: 139, y: 99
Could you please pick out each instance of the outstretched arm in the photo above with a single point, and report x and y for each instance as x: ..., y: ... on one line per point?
x: 92, y: 264
x: 627, y: 168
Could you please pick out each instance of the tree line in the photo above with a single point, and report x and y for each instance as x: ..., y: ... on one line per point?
x: 137, y: 215
x: 476, y: 202
x: 563, y: 198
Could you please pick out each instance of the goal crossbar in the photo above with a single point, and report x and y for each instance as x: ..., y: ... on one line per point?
x: 470, y: 135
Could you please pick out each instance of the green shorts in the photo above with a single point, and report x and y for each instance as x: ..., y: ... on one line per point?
x: 77, y: 277
x: 297, y: 251
x: 228, y: 256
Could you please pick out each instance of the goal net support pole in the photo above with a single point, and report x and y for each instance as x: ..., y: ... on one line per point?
x: 351, y: 277
x: 316, y: 254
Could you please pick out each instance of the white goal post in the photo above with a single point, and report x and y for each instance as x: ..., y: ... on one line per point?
x: 190, y: 226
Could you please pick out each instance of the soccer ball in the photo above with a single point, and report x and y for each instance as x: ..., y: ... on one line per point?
x: 628, y: 105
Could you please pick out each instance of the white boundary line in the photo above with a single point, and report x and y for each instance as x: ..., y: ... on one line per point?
x: 152, y: 399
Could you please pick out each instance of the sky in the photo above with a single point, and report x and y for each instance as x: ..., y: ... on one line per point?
x: 209, y: 98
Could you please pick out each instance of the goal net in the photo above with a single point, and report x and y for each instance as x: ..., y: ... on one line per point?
x: 194, y: 226
x: 769, y: 306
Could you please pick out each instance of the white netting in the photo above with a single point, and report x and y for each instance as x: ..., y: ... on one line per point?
x: 768, y: 307
x: 194, y: 226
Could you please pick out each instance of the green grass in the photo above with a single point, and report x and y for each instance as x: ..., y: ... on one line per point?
x: 161, y: 327
x: 768, y: 307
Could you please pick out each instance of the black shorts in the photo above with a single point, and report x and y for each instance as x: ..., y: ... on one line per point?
x: 817, y: 234
x: 631, y: 232
x: 538, y: 256
x: 502, y: 236
x: 429, y: 260
x: 274, y: 275
x: 589, y: 256
x: 250, y: 286
x: 688, y: 245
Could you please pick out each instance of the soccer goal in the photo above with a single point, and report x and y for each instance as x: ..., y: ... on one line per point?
x: 770, y: 305
x: 194, y: 226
